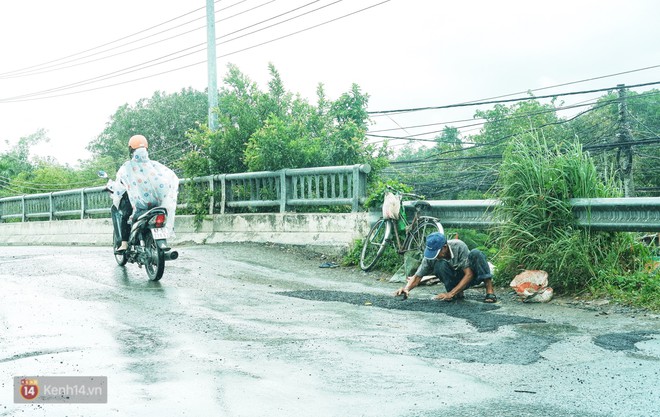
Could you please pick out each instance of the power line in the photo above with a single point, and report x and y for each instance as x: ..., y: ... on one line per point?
x: 28, y: 97
x: 484, y: 122
x: 495, y: 142
x: 105, y: 44
x: 449, y: 106
x: 200, y: 47
x: 599, y: 103
x: 52, y: 68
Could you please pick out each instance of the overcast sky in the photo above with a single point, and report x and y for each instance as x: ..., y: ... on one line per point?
x: 403, y: 53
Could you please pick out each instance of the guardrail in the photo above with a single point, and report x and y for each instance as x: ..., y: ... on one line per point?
x: 632, y: 214
x: 286, y: 189
x: 324, y: 186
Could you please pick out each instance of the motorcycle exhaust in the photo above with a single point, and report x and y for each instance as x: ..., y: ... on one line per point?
x: 171, y: 255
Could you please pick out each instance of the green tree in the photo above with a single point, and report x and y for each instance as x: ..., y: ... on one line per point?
x: 164, y: 119
x: 503, y: 124
x: 16, y: 161
x: 241, y: 111
x: 644, y: 120
x: 277, y: 129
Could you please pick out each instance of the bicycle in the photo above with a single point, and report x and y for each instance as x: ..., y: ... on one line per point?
x: 415, y: 232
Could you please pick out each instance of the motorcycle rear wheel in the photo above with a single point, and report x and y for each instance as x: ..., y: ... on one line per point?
x: 154, y: 258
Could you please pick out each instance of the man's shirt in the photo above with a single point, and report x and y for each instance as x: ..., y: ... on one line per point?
x: 458, y: 259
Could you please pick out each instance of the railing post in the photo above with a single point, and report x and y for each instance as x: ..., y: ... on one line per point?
x: 356, y: 188
x: 212, y: 199
x: 82, y: 204
x: 360, y: 185
x: 223, y: 193
x: 284, y: 191
x: 23, y: 214
x: 51, y: 207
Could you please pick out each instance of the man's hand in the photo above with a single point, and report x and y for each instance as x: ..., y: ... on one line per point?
x: 444, y: 296
x: 402, y: 291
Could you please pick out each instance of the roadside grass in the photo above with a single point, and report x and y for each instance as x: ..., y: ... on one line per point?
x: 538, y: 231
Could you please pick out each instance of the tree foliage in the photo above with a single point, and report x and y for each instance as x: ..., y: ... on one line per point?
x: 469, y: 167
x: 275, y: 129
x: 164, y: 119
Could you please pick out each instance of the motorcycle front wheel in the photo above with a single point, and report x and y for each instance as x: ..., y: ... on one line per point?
x: 154, y: 258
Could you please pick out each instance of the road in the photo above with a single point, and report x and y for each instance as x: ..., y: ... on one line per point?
x: 257, y: 330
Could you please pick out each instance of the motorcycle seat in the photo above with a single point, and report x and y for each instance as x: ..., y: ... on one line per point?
x: 152, y: 212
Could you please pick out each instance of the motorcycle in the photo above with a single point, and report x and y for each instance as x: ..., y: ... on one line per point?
x: 147, y: 242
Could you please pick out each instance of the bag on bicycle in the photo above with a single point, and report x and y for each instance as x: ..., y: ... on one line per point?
x: 391, y: 206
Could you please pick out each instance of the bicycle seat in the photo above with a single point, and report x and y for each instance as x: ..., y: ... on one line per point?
x: 421, y: 205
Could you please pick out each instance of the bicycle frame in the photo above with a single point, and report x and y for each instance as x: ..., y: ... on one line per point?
x: 400, y: 245
x: 415, y: 231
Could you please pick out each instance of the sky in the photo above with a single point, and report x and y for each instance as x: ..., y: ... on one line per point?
x: 67, y: 66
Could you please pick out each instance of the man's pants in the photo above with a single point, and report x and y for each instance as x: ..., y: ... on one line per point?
x: 126, y: 210
x: 476, y: 261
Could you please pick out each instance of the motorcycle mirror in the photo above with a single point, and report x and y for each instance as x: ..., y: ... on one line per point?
x: 103, y: 174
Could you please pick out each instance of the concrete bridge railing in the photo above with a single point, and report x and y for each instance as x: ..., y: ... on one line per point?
x: 285, y: 189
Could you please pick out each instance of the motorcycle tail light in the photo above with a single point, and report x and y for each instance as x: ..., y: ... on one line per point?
x: 160, y: 220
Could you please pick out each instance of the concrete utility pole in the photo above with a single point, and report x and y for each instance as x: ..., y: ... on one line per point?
x: 212, y: 65
x: 624, y: 156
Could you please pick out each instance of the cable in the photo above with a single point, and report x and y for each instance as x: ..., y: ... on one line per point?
x: 46, y: 70
x: 639, y: 122
x: 504, y: 119
x: 41, y: 187
x: 106, y: 44
x: 601, y: 103
x: 572, y: 82
x: 493, y: 142
x: 449, y: 106
x: 200, y: 47
x: 27, y: 96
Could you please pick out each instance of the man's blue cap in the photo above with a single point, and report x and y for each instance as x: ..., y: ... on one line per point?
x: 434, y: 242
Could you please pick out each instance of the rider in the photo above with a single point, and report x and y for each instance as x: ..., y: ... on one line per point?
x: 141, y: 185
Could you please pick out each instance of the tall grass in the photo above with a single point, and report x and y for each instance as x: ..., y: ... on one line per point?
x: 538, y: 229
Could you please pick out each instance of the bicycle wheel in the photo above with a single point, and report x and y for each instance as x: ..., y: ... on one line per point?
x: 374, y: 244
x: 416, y: 240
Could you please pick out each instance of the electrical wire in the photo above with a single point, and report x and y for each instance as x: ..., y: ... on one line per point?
x: 198, y: 48
x: 590, y: 102
x: 495, y: 142
x: 105, y: 44
x: 54, y: 68
x: 512, y: 100
x: 30, y: 97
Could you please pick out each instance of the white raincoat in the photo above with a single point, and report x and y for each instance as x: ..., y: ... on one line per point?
x: 149, y: 184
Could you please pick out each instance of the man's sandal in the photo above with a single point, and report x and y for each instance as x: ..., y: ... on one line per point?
x: 490, y: 298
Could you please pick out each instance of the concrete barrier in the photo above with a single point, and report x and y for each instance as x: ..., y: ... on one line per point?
x: 330, y: 233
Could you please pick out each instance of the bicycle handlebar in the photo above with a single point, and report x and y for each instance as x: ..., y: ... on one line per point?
x: 416, y: 196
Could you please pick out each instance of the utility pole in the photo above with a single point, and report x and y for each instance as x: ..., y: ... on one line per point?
x: 624, y: 156
x: 212, y: 65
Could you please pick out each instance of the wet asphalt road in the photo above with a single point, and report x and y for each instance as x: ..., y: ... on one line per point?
x: 253, y: 330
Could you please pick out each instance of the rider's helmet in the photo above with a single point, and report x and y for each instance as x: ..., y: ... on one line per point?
x: 137, y: 142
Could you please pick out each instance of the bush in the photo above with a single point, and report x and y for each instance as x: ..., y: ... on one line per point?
x: 538, y: 229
